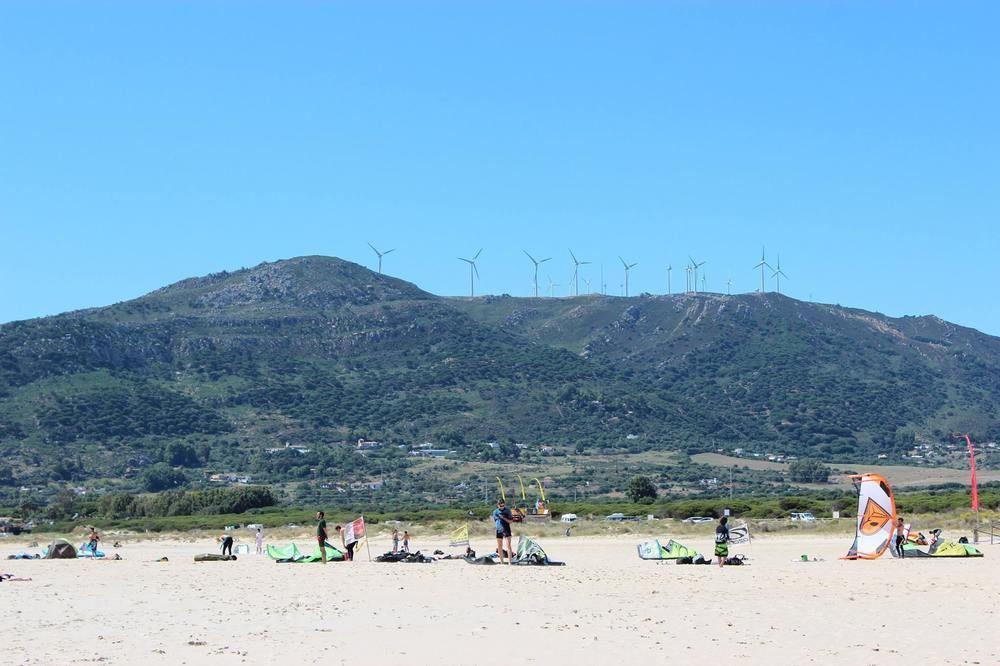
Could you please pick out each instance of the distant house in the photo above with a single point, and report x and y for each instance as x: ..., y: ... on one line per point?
x: 368, y: 444
x: 297, y: 448
x: 430, y: 453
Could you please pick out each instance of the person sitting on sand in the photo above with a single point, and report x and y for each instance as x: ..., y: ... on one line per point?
x: 227, y: 545
x: 722, y: 540
x: 321, y: 533
x: 502, y: 519
x: 92, y: 540
x: 259, y: 537
x: 395, y: 540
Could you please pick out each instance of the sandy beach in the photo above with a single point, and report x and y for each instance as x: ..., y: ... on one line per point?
x: 606, y: 606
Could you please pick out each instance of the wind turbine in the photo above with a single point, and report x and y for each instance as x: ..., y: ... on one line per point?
x: 576, y: 271
x: 694, y: 268
x: 628, y: 267
x: 536, y: 262
x: 552, y: 286
x: 703, y: 281
x: 763, y: 263
x: 380, y: 255
x: 729, y: 287
x: 473, y: 271
x: 586, y: 281
x: 687, y: 278
x: 778, y: 274
x: 669, y: 268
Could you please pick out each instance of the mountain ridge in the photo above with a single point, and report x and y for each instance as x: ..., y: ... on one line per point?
x: 319, y: 350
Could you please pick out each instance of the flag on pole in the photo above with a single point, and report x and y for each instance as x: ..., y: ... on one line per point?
x: 460, y: 537
x: 354, y: 531
x: 972, y: 465
x: 739, y: 533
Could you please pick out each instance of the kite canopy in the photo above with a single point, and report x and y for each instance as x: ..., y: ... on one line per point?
x: 876, y: 517
x: 291, y: 553
x: 60, y: 549
x: 945, y: 548
x: 529, y: 552
x: 654, y: 550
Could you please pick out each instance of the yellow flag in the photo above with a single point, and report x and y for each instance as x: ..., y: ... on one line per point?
x: 460, y: 537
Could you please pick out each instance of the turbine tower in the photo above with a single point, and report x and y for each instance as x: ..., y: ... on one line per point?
x: 628, y: 267
x: 694, y: 268
x: 778, y: 274
x: 536, y: 262
x: 552, y: 286
x: 586, y: 281
x: 669, y: 268
x: 380, y: 255
x: 703, y: 281
x: 687, y: 278
x: 473, y: 271
x: 762, y: 265
x: 576, y: 271
x: 729, y: 287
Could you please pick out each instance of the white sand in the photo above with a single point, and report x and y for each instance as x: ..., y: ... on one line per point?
x: 606, y: 607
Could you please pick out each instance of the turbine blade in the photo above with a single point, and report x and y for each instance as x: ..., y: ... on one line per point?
x: 544, y: 260
x: 477, y: 254
x: 474, y: 269
x: 530, y: 257
x: 574, y: 257
x: 373, y: 248
x: 388, y: 251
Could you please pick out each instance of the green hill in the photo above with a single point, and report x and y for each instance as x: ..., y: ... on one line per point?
x: 207, y: 374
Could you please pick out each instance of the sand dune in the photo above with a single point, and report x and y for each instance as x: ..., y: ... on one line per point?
x: 607, y: 606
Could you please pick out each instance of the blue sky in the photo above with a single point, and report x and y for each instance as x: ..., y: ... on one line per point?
x: 142, y: 143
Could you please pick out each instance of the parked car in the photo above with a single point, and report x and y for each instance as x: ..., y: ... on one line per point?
x: 568, y: 518
x: 617, y: 517
x: 698, y: 520
x: 804, y: 517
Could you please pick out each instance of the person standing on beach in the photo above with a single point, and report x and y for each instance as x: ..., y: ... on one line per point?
x: 321, y: 533
x: 406, y: 541
x: 348, y: 547
x: 227, y: 545
x: 92, y: 540
x: 502, y: 518
x: 395, y: 540
x: 900, y: 537
x: 722, y: 540
x: 260, y: 540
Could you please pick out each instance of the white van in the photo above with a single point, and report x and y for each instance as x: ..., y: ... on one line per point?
x: 569, y: 518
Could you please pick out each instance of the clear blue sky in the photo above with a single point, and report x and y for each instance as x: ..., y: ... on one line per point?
x: 142, y: 142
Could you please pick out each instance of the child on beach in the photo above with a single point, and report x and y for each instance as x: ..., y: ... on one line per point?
x: 260, y: 540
